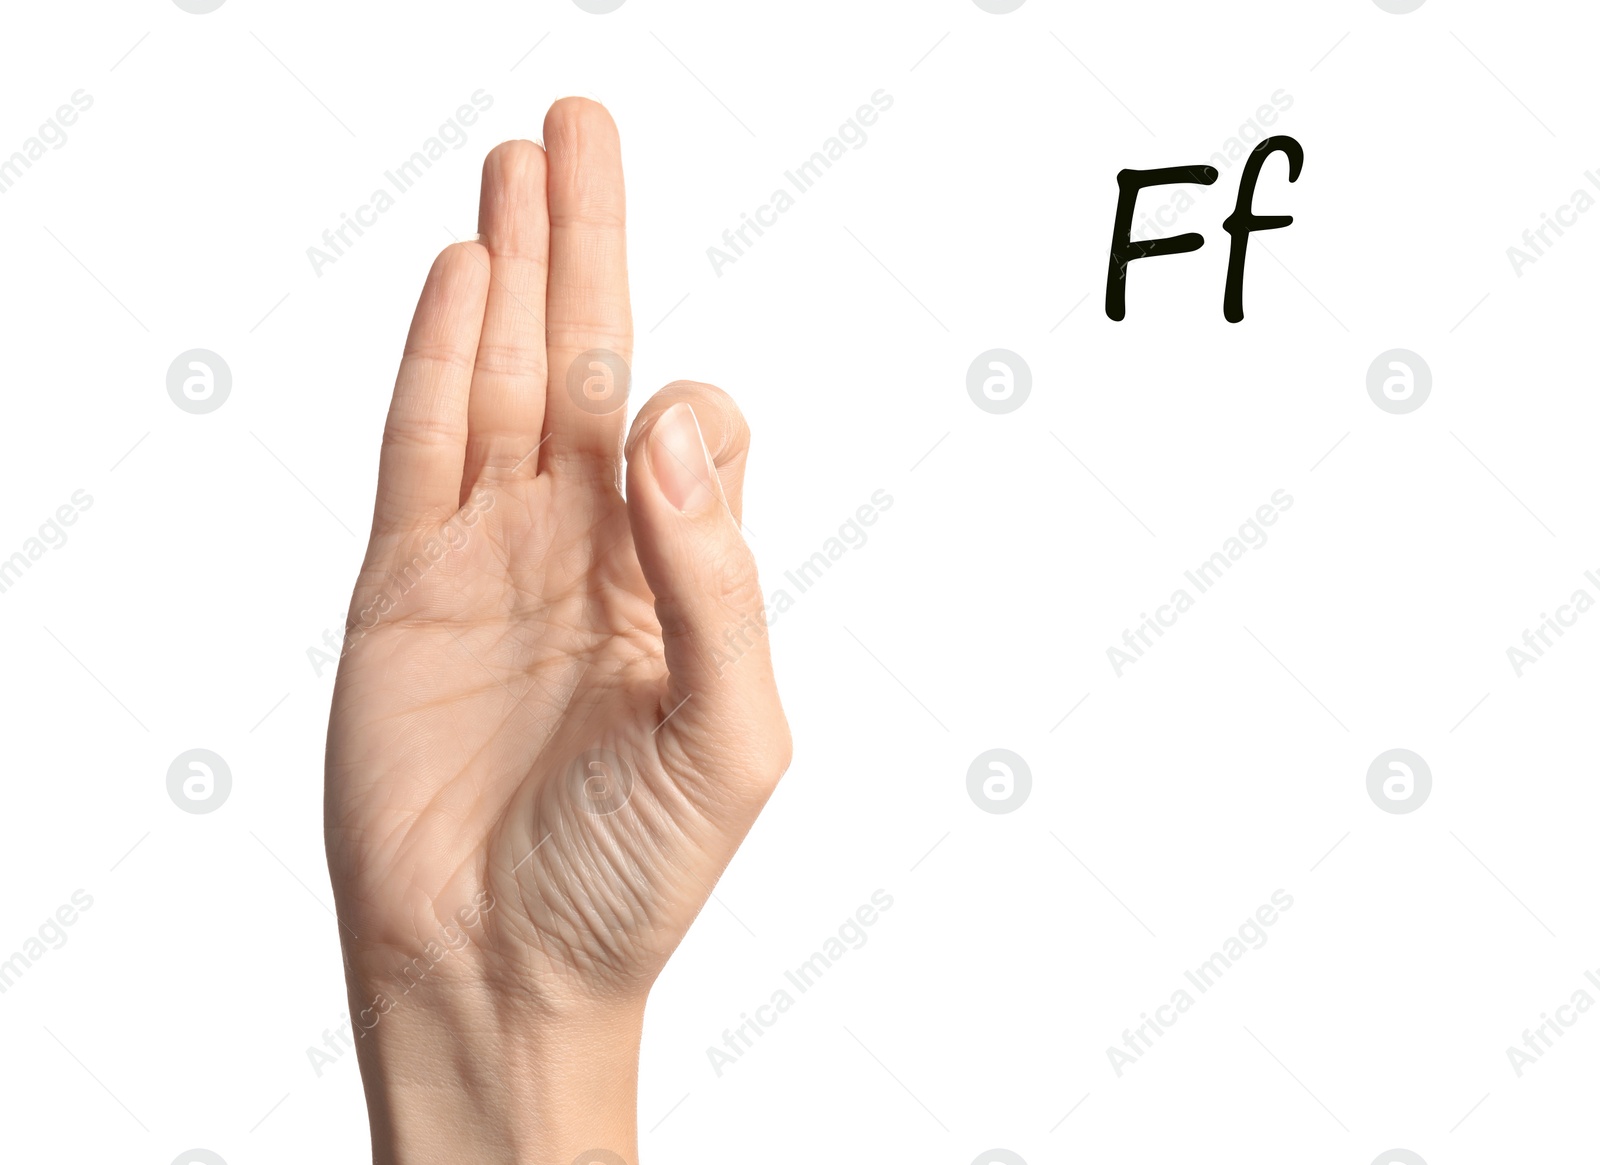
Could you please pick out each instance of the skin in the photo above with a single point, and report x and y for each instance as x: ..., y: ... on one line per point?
x: 555, y: 717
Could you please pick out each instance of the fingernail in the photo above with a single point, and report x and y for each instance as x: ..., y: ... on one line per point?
x: 679, y: 459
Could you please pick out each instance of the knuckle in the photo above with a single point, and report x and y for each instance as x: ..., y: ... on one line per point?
x: 443, y: 356
x: 572, y: 334
x: 514, y: 361
x: 730, y: 579
x: 420, y: 431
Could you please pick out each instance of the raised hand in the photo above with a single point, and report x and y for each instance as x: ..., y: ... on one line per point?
x: 555, y: 717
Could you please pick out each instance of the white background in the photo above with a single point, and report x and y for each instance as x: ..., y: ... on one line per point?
x: 1224, y: 765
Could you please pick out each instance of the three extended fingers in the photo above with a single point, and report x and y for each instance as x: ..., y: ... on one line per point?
x: 513, y: 334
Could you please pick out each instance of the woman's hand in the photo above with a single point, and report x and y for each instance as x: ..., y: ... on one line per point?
x: 555, y: 717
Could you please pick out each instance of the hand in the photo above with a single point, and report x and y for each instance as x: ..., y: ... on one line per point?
x: 555, y: 717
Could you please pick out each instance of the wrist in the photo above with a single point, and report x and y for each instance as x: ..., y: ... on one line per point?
x: 460, y: 1074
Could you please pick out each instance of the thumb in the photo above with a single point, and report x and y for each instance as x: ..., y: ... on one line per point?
x: 723, y: 718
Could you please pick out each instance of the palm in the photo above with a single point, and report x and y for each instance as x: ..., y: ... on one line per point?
x: 495, y: 674
x: 498, y: 723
